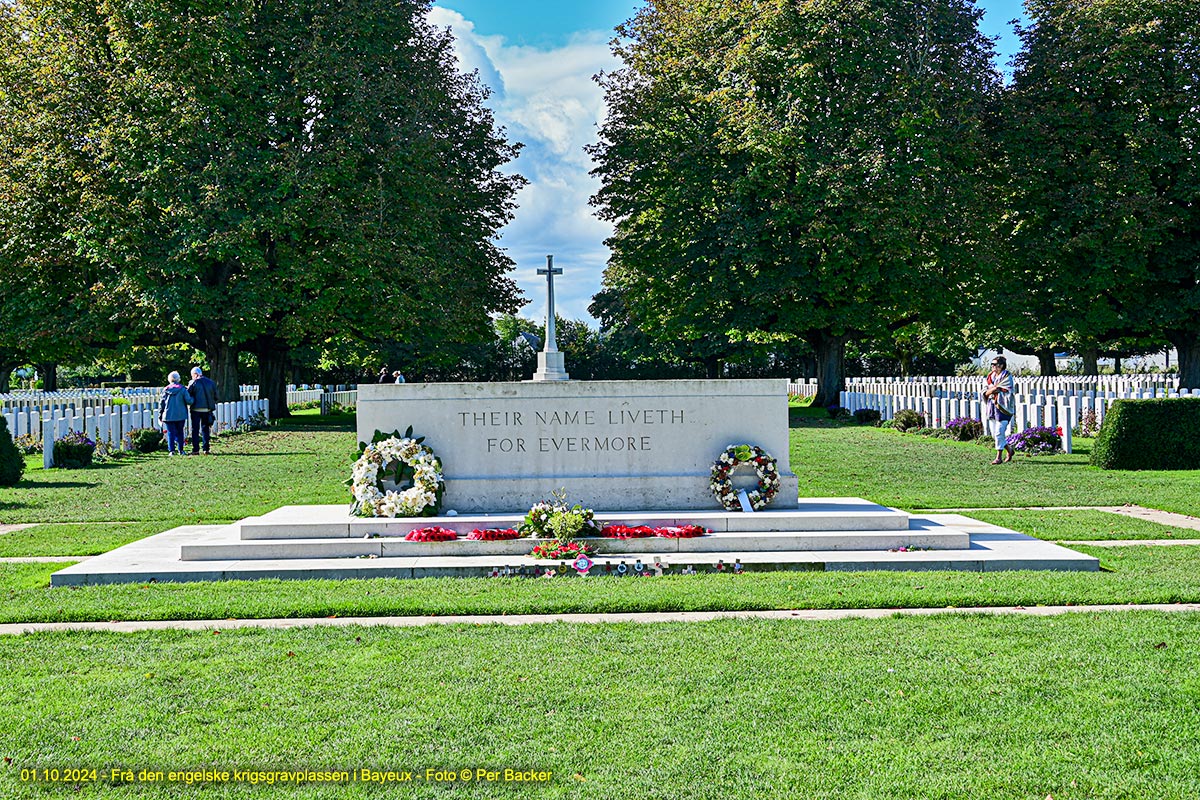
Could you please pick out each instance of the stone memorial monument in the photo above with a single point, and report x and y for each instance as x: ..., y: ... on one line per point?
x: 630, y: 445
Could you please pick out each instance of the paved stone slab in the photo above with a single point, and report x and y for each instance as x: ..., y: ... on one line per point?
x: 157, y: 558
x: 799, y: 615
x: 14, y: 528
x: 812, y: 514
x: 1154, y: 515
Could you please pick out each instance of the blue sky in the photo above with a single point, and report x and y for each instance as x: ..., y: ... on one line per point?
x: 539, y: 57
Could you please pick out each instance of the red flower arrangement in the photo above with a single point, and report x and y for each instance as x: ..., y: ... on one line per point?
x: 563, y: 550
x: 492, y: 534
x: 681, y: 532
x: 431, y: 535
x: 645, y: 532
x: 626, y: 532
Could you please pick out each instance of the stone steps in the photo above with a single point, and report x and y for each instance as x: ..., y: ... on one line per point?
x: 813, y: 515
x: 922, y: 536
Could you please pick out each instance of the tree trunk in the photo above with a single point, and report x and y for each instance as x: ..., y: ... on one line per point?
x: 830, y: 351
x: 49, y: 373
x: 1046, y: 363
x: 1091, y: 360
x: 222, y: 361
x: 223, y: 371
x: 1187, y: 345
x: 712, y: 367
x: 1117, y: 364
x: 272, y: 377
x: 6, y: 368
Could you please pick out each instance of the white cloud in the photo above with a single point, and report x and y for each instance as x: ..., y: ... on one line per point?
x: 546, y: 98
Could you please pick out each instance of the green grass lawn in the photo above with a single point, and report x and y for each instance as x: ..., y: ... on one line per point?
x: 78, y: 539
x: 301, y: 462
x: 1088, y: 706
x: 1092, y: 706
x: 1079, y: 525
x: 916, y: 472
x: 1137, y: 575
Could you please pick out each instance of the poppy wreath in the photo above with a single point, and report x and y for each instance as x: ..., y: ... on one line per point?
x: 764, y: 465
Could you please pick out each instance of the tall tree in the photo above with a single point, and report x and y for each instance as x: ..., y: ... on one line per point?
x: 779, y: 170
x: 267, y: 175
x: 1102, y: 134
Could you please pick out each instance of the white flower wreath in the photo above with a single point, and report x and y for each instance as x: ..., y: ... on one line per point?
x: 385, y: 457
x: 764, y: 465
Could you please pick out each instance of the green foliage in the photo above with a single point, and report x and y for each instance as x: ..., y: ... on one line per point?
x: 907, y: 418
x: 146, y: 440
x: 1100, y: 141
x: 1150, y: 434
x: 12, y: 461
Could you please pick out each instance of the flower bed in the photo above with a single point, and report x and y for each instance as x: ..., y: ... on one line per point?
x: 1036, y: 441
x: 563, y: 550
x: 73, y: 451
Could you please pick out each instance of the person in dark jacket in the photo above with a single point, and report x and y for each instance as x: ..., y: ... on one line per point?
x: 384, y: 375
x: 204, y: 408
x: 173, y: 412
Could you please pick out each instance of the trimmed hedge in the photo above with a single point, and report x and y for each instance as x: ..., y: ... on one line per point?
x: 1150, y: 434
x: 12, y: 462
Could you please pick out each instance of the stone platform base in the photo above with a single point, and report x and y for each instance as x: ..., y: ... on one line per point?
x: 308, y: 542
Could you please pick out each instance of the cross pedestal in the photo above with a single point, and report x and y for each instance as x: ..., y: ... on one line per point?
x: 551, y: 365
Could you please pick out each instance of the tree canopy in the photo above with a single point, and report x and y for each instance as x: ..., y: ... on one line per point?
x: 781, y: 171
x: 258, y: 176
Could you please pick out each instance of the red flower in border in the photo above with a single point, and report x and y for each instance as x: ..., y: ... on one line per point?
x: 433, y: 534
x: 493, y: 534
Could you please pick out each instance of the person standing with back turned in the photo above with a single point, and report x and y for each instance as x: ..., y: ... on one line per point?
x: 173, y: 412
x: 204, y: 407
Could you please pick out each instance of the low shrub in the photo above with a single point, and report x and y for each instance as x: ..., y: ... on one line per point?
x: 906, y: 418
x: 305, y: 406
x: 74, y: 451
x: 28, y: 444
x: 12, y: 460
x: 1036, y: 441
x: 1150, y: 434
x: 146, y: 440
x: 965, y: 429
x: 833, y: 411
x: 867, y: 416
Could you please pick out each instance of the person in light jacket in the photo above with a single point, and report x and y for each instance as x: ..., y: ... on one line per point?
x: 204, y: 407
x: 999, y: 399
x: 173, y: 412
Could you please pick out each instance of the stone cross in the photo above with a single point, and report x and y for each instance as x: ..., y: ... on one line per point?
x: 551, y: 363
x: 551, y: 345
